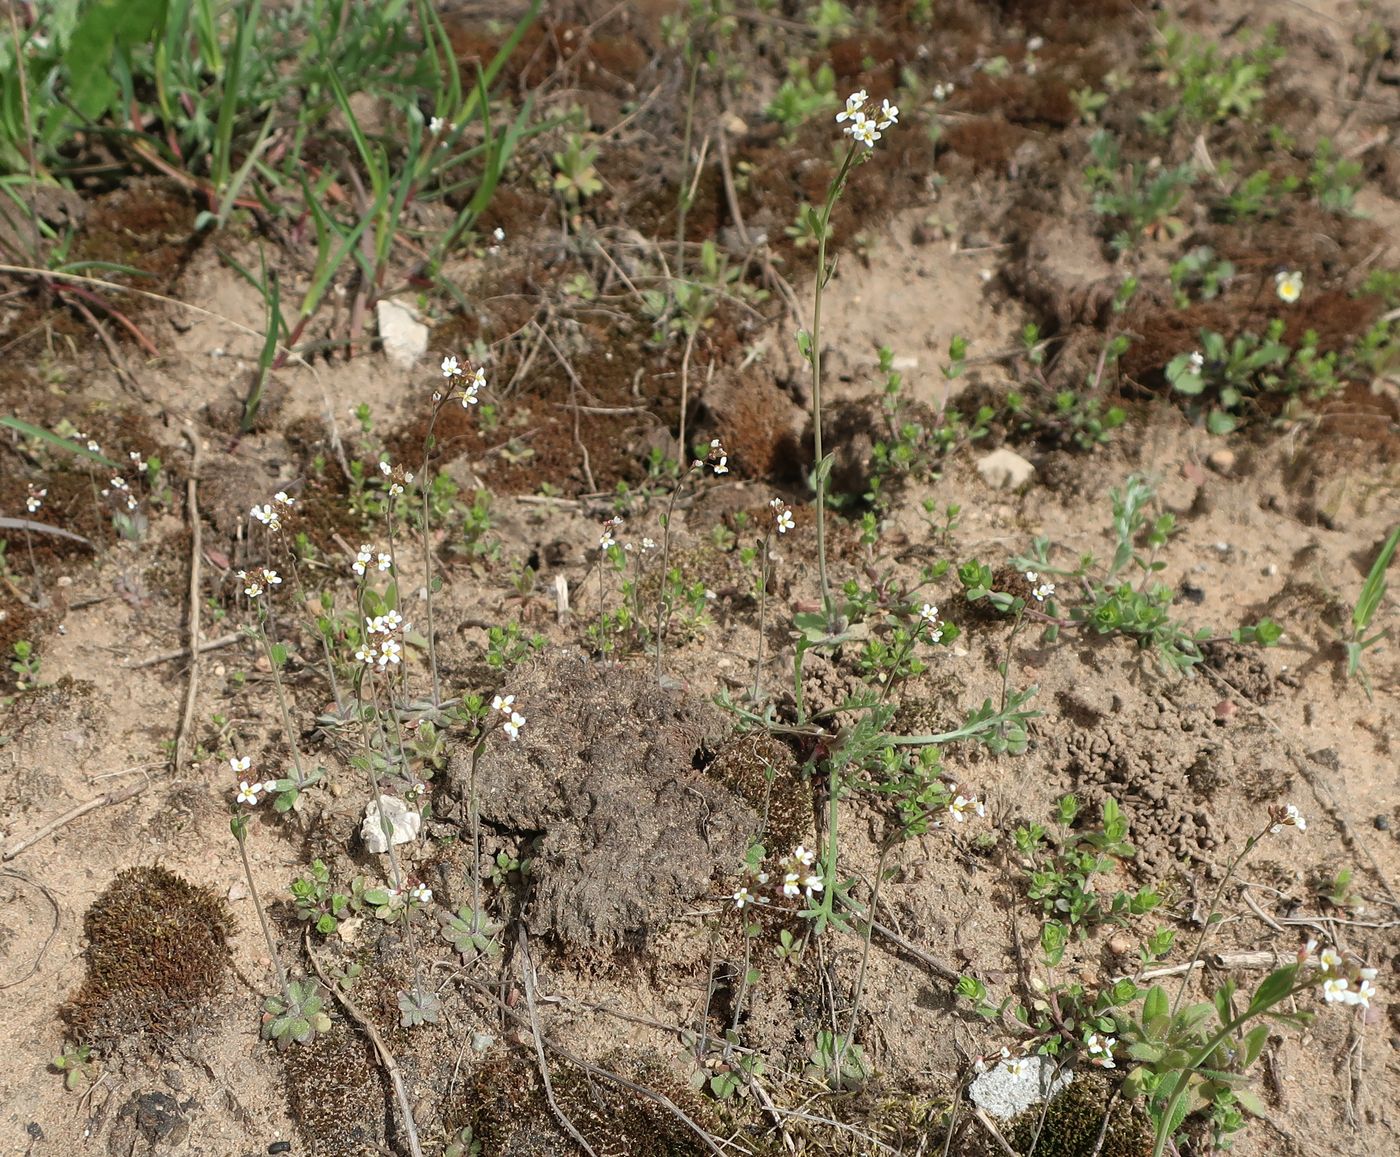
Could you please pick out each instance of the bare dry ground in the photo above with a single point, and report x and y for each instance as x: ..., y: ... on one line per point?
x: 617, y: 949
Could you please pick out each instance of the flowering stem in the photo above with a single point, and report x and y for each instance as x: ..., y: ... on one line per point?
x: 815, y: 357
x: 663, y: 602
x: 428, y: 555
x: 762, y: 607
x: 240, y: 833
x: 1210, y: 913
x: 281, y: 698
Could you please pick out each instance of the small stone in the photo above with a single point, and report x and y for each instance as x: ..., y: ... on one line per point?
x: 1221, y: 461
x: 1005, y: 1093
x: 1382, y: 823
x: 1121, y: 945
x: 65, y: 580
x: 1005, y: 469
x: 1225, y: 710
x: 404, y: 337
x: 404, y: 824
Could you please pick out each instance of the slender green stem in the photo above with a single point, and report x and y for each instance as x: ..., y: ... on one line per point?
x: 240, y: 833
x: 428, y: 553
x: 815, y: 356
x: 762, y: 607
x: 281, y: 699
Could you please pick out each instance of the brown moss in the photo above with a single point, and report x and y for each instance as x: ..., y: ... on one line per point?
x: 508, y: 1113
x: 332, y: 1088
x: 766, y: 775
x: 1072, y: 1123
x: 984, y: 142
x: 157, y: 955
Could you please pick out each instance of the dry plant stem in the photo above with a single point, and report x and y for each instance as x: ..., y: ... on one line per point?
x: 182, y: 733
x: 184, y: 652
x: 34, y: 570
x: 53, y: 931
x: 526, y: 970
x: 73, y: 813
x: 662, y: 601
x: 386, y: 1058
x: 683, y: 454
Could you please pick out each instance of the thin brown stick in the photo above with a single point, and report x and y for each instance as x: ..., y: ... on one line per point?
x: 33, y: 968
x: 993, y: 1131
x: 386, y: 1058
x: 184, y: 652
x: 182, y: 733
x: 73, y: 813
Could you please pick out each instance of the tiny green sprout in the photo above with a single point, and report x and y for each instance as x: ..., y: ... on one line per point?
x: 1367, y: 603
x: 25, y: 665
x: 78, y: 1065
x: 296, y: 1016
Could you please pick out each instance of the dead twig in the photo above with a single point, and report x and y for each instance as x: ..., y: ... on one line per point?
x: 33, y: 968
x: 73, y: 813
x: 183, y: 652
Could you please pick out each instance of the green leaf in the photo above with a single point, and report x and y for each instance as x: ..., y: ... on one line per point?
x: 1155, y: 1003
x: 1249, y: 1101
x: 1374, y: 589
x: 1276, y: 986
x: 66, y: 444
x: 107, y: 29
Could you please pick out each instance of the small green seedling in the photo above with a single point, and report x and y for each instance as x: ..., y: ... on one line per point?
x: 296, y: 1016
x: 1365, y: 610
x: 77, y: 1063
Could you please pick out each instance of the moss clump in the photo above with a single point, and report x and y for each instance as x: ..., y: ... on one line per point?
x: 510, y: 1116
x: 332, y: 1090
x: 1074, y: 1120
x: 157, y: 954
x: 764, y: 773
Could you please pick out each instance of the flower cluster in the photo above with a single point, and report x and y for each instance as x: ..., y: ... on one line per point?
x: 381, y: 645
x: 35, y: 498
x: 1288, y: 284
x: 608, y: 539
x: 1041, y: 591
x: 270, y: 514
x: 928, y: 615
x: 250, y: 791
x: 367, y: 557
x: 398, y: 477
x: 963, y: 805
x: 782, y: 516
x: 118, y: 488
x: 797, y: 877
x: 1286, y: 816
x: 1344, y: 981
x: 505, y: 705
x: 470, y: 386
x: 256, y: 581
x: 866, y: 122
x: 717, y: 459
x: 1100, y: 1050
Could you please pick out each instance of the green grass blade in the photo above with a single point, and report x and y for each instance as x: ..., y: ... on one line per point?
x: 1374, y: 588
x: 57, y: 441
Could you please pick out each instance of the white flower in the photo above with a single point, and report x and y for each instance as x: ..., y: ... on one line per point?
x: 271, y: 577
x: 269, y: 785
x: 742, y: 898
x: 942, y: 92
x: 240, y: 763
x: 1361, y: 994
x: 384, y: 561
x: 392, y: 621
x: 364, y: 653
x: 498, y: 234
x: 252, y: 587
x: 35, y: 499
x: 929, y: 613
x: 722, y: 466
x: 790, y: 886
x: 607, y: 539
x: 1035, y: 44
x: 395, y: 488
x: 1197, y: 360
x: 362, y: 560
x: 390, y: 651
x: 804, y: 856
x: 1334, y: 990
x: 1288, y: 817
x: 889, y: 114
x: 963, y: 804
x: 450, y: 368
x: 854, y: 104
x: 503, y: 703
x: 421, y: 894
x: 1101, y: 1050
x: 93, y: 446
x: 268, y: 516
x: 1032, y: 577
x: 435, y: 125
x: 1288, y: 285
x: 864, y: 130
x: 282, y: 498
x: 1330, y: 961
x: 248, y: 792
x: 1043, y: 592
x: 1016, y: 1068
x: 648, y: 543
x: 513, y: 725
x: 813, y: 883
x: 137, y: 461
